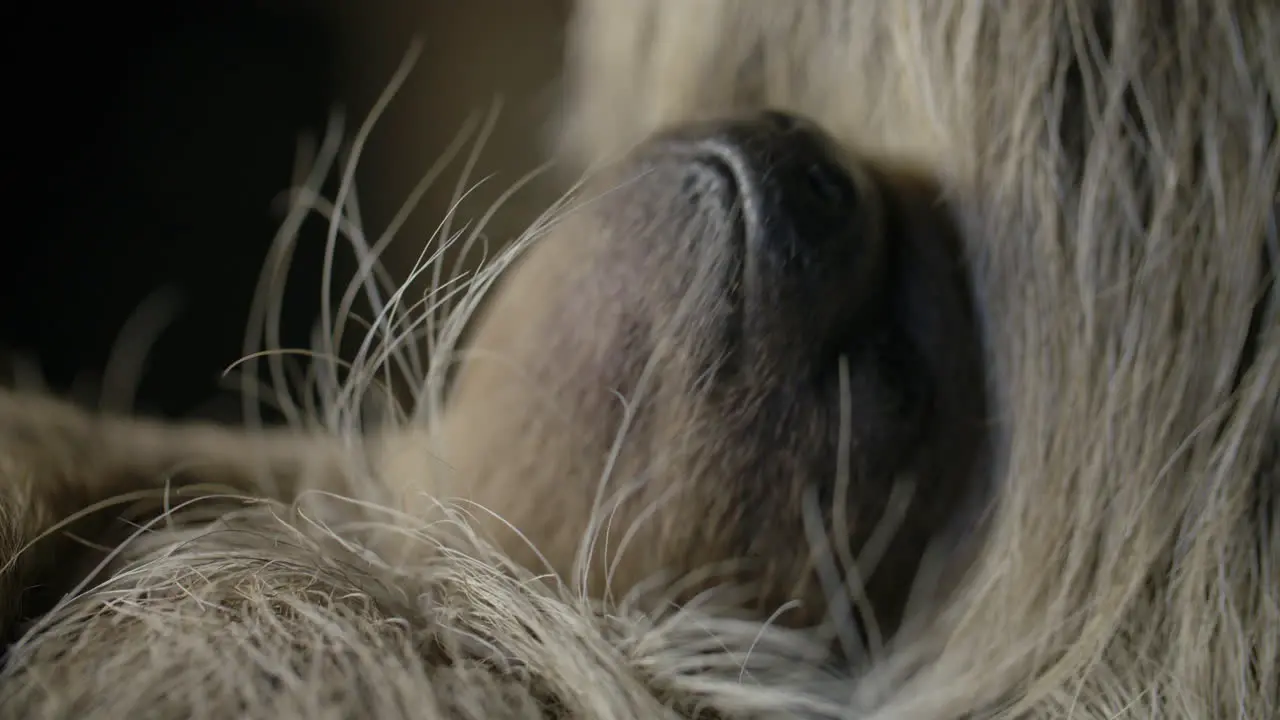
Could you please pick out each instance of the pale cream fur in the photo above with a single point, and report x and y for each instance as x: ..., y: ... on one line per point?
x: 1118, y: 203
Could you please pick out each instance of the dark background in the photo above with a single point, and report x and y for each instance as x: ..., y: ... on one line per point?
x: 146, y: 150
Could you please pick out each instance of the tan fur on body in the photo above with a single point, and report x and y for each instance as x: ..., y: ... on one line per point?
x: 1114, y: 171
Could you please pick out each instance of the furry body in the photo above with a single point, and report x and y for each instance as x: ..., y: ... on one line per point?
x: 1114, y: 169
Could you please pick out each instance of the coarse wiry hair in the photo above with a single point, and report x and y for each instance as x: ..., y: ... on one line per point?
x: 234, y: 605
x: 1116, y: 167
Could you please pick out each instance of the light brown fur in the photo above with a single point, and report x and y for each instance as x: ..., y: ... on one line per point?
x: 1113, y: 171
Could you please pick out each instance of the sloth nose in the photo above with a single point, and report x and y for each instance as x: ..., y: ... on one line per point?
x: 806, y: 227
x: 785, y: 178
x: 798, y: 204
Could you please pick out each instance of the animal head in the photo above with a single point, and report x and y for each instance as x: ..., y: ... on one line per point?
x: 1109, y: 176
x: 745, y: 347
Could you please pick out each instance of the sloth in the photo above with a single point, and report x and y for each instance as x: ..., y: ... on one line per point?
x: 895, y: 360
x: 697, y: 329
x: 753, y: 327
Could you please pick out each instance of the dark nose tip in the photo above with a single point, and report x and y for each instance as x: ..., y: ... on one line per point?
x: 780, y: 169
x: 797, y: 158
x: 805, y: 221
x: 794, y: 192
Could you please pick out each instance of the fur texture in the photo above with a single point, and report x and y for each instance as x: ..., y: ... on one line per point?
x: 1114, y: 168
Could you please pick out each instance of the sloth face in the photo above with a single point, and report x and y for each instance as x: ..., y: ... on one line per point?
x: 745, y: 357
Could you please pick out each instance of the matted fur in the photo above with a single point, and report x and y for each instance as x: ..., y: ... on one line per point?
x: 1116, y: 168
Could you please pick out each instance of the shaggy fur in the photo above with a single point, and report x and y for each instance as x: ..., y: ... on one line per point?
x: 1115, y: 170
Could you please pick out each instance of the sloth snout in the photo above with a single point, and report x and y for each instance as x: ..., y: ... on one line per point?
x: 782, y: 175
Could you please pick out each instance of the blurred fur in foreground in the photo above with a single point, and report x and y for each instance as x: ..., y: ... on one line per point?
x: 1115, y: 168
